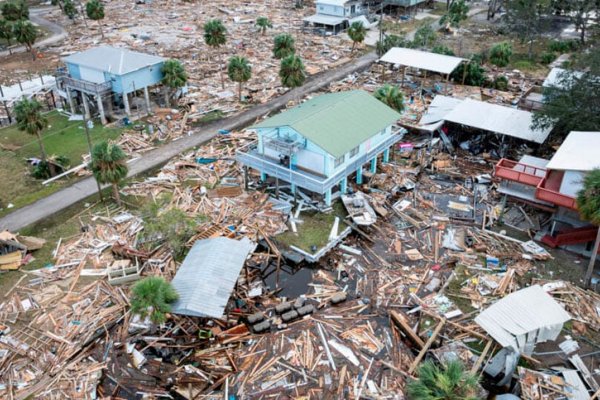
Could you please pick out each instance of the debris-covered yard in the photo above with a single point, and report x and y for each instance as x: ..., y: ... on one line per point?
x: 356, y: 324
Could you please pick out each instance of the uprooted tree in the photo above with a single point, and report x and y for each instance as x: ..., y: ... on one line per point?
x: 153, y: 296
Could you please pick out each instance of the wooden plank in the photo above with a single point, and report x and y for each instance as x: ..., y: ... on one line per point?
x: 402, y: 323
x: 432, y: 338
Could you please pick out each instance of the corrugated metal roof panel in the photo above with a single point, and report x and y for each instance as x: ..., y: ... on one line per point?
x: 208, y: 274
x: 424, y: 60
x: 523, y: 318
x: 498, y: 119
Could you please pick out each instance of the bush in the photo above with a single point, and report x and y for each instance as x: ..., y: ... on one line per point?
x: 474, y: 73
x: 562, y: 46
x: 547, y: 58
x: 425, y: 36
x: 525, y: 65
x: 501, y: 83
x: 500, y: 54
x: 391, y: 41
x: 441, y: 49
x: 153, y: 296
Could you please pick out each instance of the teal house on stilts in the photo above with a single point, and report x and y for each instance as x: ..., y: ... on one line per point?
x: 317, y: 145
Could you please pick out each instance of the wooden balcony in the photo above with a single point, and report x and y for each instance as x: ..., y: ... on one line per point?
x: 543, y: 193
x: 519, y: 172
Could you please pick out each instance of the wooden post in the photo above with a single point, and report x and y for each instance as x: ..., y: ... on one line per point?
x: 245, y: 177
x: 277, y: 188
x: 403, y: 76
x: 422, y: 83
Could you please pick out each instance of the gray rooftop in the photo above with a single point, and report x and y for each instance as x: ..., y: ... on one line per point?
x: 118, y: 61
x: 208, y: 275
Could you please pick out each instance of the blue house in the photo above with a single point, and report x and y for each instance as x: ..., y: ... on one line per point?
x: 109, y: 73
x: 317, y: 145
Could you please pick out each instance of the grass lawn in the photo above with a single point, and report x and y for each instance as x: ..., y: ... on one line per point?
x: 315, y: 228
x: 62, y: 137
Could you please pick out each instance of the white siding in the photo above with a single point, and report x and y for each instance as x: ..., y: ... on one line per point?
x: 572, y: 182
x: 312, y: 161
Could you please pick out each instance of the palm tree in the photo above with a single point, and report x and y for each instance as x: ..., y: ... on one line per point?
x: 390, y: 95
x: 451, y: 382
x: 109, y: 166
x: 95, y: 11
x: 263, y: 23
x: 25, y: 33
x: 292, y: 71
x: 174, y: 77
x: 283, y: 46
x: 357, y: 33
x: 30, y: 119
x: 69, y: 9
x: 153, y: 296
x: 215, y: 35
x: 239, y: 71
x: 588, y: 204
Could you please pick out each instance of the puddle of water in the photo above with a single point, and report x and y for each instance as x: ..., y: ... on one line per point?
x: 292, y: 282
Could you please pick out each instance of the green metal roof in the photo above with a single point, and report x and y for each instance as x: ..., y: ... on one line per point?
x: 336, y: 122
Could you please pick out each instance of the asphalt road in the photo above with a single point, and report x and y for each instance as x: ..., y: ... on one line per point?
x: 58, y: 33
x: 80, y: 190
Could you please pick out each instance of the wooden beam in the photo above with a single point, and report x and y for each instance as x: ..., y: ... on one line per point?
x: 402, y: 323
x: 427, y: 346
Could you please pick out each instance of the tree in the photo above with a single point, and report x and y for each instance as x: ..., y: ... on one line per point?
x: 69, y: 9
x: 174, y: 77
x: 215, y: 36
x: 153, y: 296
x: 171, y: 226
x: 29, y: 118
x: 283, y: 46
x: 109, y: 166
x: 391, y: 41
x: 470, y: 73
x: 391, y: 96
x: 581, y: 12
x: 95, y: 11
x: 588, y: 204
x: 239, y: 71
x: 571, y: 105
x: 500, y: 54
x: 450, y: 382
x: 458, y: 12
x: 292, y: 72
x: 357, y: 33
x: 263, y: 23
x: 424, y: 36
x: 527, y: 19
x: 6, y: 31
x: 25, y: 33
x: 15, y: 11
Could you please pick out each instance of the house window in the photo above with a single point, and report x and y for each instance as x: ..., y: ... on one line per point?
x: 338, y: 161
x: 354, y: 152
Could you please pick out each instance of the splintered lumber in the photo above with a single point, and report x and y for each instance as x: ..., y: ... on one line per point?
x: 326, y: 346
x: 427, y: 346
x: 402, y: 323
x: 479, y: 361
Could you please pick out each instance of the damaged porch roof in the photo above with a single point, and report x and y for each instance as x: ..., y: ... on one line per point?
x: 497, y: 119
x: 208, y: 274
x: 424, y: 60
x: 524, y: 318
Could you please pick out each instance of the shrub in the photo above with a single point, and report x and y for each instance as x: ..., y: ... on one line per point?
x: 441, y: 49
x: 474, y: 74
x: 500, y: 54
x: 501, y: 83
x: 547, y: 58
x: 153, y: 296
x: 562, y: 46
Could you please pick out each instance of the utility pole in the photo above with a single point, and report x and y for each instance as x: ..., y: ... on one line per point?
x: 381, y: 26
x: 89, y: 141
